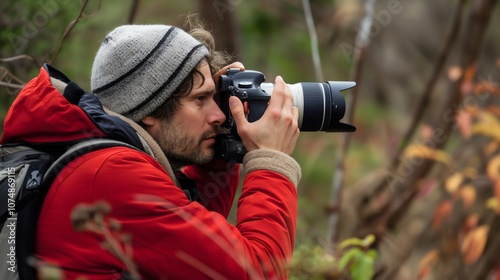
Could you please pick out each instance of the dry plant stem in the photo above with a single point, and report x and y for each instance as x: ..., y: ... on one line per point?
x: 133, y: 11
x: 116, y: 249
x: 362, y: 42
x: 431, y: 83
x: 68, y: 31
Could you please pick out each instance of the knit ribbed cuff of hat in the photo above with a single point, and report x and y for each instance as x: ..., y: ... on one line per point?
x: 268, y: 159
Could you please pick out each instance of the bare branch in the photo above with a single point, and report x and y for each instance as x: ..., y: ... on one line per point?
x: 8, y: 73
x: 362, y: 42
x: 133, y: 11
x: 314, y: 40
x: 11, y: 85
x: 68, y: 31
x: 19, y: 57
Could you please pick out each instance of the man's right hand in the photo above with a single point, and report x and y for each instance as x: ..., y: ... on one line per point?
x: 277, y: 129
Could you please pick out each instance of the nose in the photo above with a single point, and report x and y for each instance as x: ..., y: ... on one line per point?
x: 216, y: 116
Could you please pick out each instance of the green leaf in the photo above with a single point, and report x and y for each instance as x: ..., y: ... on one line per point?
x: 362, y: 267
x: 350, y: 254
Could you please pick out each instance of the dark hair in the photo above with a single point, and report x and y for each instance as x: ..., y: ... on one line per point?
x: 215, y: 59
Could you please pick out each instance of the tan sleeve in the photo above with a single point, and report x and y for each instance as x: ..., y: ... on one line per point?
x: 268, y: 159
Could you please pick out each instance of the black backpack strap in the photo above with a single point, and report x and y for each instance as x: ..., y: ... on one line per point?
x: 27, y: 216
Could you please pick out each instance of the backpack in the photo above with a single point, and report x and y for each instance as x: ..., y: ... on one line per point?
x: 26, y: 174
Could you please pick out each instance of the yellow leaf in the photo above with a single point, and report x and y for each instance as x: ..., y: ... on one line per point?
x: 473, y: 244
x: 468, y: 195
x: 493, y: 168
x: 486, y: 130
x: 368, y: 240
x: 422, y: 151
x: 453, y: 182
x: 492, y: 203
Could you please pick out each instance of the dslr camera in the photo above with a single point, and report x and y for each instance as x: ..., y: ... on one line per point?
x: 321, y: 107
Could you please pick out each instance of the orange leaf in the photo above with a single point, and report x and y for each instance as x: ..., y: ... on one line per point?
x: 442, y: 211
x: 491, y: 148
x: 468, y: 195
x: 495, y: 110
x: 470, y: 73
x: 486, y: 87
x: 467, y: 83
x: 471, y: 222
x: 474, y: 243
x: 425, y: 264
x: 493, y: 168
x: 453, y: 182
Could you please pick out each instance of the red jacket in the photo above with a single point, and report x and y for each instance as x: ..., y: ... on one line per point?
x: 172, y: 237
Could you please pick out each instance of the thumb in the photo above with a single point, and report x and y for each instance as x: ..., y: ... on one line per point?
x: 237, y: 110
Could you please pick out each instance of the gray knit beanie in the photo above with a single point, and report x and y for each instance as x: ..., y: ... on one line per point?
x: 138, y: 67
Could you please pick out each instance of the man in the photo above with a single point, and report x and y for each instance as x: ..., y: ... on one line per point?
x: 161, y: 81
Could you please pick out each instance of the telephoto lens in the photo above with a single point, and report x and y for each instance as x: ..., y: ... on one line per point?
x: 321, y: 105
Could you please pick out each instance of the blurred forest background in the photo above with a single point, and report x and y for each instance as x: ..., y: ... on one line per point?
x: 414, y: 193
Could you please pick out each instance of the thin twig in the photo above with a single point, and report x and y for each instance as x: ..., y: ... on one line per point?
x: 14, y: 77
x: 10, y: 85
x: 68, y: 31
x: 19, y: 57
x: 133, y: 11
x: 314, y: 40
x: 362, y: 42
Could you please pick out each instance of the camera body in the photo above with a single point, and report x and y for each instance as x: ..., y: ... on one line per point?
x: 321, y: 107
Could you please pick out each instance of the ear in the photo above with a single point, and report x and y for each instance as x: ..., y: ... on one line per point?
x: 149, y: 121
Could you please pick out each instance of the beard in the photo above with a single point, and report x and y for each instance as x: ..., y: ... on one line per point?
x: 182, y: 148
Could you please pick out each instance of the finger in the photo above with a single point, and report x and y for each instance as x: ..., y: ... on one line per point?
x: 288, y: 100
x: 278, y: 96
x: 295, y: 114
x: 235, y: 64
x: 223, y: 71
x: 237, y: 111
